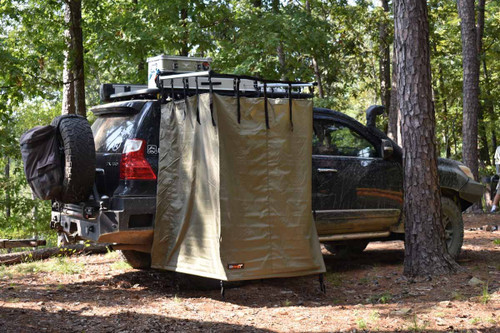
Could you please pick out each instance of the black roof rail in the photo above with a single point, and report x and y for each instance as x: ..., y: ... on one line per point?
x: 174, y: 85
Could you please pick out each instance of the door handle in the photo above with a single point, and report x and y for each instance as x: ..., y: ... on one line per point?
x: 324, y: 170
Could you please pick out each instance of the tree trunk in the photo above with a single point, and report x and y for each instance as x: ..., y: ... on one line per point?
x: 185, y: 43
x: 73, y: 73
x: 317, y: 71
x: 7, y: 188
x: 275, y: 7
x: 317, y: 75
x: 442, y: 97
x: 489, y: 105
x: 40, y: 254
x: 484, y: 152
x: 470, y: 86
x: 282, y: 61
x: 442, y: 92
x: 425, y: 247
x: 384, y: 61
x: 78, y: 72
x: 394, y: 123
x: 68, y: 103
x: 480, y: 26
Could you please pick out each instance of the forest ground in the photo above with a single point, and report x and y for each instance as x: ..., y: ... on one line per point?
x: 100, y: 293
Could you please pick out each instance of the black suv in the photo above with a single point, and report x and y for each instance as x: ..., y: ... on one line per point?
x: 356, y: 196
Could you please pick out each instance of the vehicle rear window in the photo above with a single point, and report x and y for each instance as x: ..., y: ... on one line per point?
x: 110, y: 132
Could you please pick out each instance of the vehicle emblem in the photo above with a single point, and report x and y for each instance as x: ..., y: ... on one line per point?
x: 152, y: 149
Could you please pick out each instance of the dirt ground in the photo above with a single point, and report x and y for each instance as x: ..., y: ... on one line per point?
x: 99, y: 293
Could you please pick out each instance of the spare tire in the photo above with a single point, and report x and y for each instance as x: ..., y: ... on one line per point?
x: 78, y: 157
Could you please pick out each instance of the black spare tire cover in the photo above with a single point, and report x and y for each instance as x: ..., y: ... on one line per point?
x: 78, y: 157
x: 42, y: 161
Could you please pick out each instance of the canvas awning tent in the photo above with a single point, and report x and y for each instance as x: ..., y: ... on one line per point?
x: 234, y: 196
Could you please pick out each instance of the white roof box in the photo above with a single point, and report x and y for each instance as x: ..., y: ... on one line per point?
x: 177, y: 64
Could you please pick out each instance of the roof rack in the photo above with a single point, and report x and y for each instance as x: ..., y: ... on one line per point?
x: 174, y: 85
x: 228, y: 84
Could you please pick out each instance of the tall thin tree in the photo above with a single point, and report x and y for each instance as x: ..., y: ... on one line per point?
x: 73, y: 73
x: 384, y: 60
x: 425, y: 248
x: 470, y: 87
x: 68, y: 103
x: 317, y: 70
x: 394, y: 123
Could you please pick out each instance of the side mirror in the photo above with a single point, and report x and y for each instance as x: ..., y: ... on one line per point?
x: 386, y: 149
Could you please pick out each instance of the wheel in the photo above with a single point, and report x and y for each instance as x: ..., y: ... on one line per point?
x: 136, y: 259
x: 76, y: 138
x: 346, y: 249
x: 453, y: 226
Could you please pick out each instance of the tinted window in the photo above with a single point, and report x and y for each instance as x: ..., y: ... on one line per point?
x: 110, y: 132
x: 331, y: 138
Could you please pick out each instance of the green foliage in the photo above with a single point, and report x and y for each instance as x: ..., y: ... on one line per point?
x: 361, y: 322
x: 381, y: 298
x: 110, y: 254
x: 417, y: 325
x: 28, y: 217
x: 60, y: 265
x: 120, y: 265
x: 485, y: 294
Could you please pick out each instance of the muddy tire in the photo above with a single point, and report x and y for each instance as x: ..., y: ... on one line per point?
x: 347, y: 249
x: 77, y: 141
x: 453, y: 226
x: 136, y: 259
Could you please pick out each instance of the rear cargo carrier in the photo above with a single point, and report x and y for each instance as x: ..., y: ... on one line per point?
x: 234, y: 179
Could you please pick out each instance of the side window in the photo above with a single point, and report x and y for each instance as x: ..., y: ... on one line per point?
x: 331, y: 138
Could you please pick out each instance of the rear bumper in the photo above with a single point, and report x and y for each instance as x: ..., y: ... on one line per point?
x: 131, y: 220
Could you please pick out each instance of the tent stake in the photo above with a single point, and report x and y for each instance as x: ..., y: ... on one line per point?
x: 222, y: 291
x: 322, y: 286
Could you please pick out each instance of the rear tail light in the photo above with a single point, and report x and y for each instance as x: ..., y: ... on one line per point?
x: 133, y: 164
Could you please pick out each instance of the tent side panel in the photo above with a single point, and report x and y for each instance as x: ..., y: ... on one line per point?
x: 267, y: 227
x: 187, y: 228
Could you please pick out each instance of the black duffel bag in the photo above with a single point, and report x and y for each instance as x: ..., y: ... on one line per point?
x: 42, y: 162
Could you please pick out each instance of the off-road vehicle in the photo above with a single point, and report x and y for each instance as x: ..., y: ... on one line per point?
x: 357, y: 193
